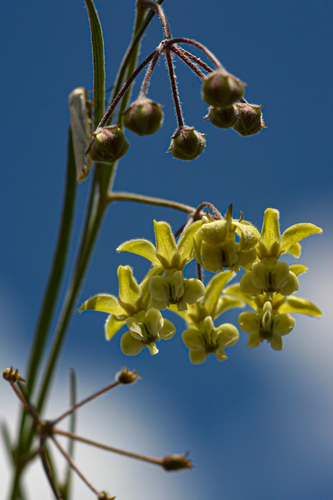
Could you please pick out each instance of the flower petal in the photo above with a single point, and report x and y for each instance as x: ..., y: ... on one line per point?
x: 141, y: 247
x: 130, y: 346
x: 269, y: 245
x: 299, y: 305
x: 185, y: 243
x: 153, y: 321
x: 296, y: 233
x: 197, y: 357
x: 112, y: 325
x: 165, y: 241
x: 253, y: 341
x: 193, y: 339
x: 129, y: 291
x: 104, y: 303
x: 227, y: 335
x: 276, y: 342
x: 249, y: 322
x: 168, y: 330
x: 214, y: 290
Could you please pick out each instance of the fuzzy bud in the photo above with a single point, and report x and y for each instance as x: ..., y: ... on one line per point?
x: 221, y: 89
x: 250, y: 120
x: 223, y: 117
x: 143, y: 117
x: 187, y: 144
x: 176, y: 462
x: 108, y: 144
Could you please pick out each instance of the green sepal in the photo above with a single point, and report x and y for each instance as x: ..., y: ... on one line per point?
x: 297, y: 269
x: 103, y: 303
x: 249, y: 235
x: 141, y: 247
x: 296, y: 233
x: 112, y: 325
x: 269, y: 245
x: 299, y: 305
x: 165, y: 243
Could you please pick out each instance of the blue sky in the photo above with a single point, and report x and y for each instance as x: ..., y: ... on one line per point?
x: 258, y: 426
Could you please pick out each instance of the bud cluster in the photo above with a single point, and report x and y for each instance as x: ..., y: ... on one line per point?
x: 222, y: 245
x: 220, y: 89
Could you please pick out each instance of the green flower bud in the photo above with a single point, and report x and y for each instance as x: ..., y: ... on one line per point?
x: 223, y: 117
x: 108, y: 144
x: 283, y: 324
x: 176, y: 462
x: 249, y: 120
x: 221, y: 89
x: 291, y: 286
x: 187, y: 143
x: 143, y: 117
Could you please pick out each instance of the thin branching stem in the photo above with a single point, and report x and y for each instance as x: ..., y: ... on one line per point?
x: 85, y: 401
x: 194, y: 58
x: 25, y: 403
x: 211, y: 207
x: 200, y: 46
x: 125, y: 87
x: 156, y: 461
x: 74, y: 467
x: 174, y: 89
x: 179, y: 52
x: 149, y: 72
x: 160, y: 12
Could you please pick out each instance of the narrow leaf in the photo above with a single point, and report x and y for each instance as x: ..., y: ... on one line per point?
x: 236, y: 291
x: 225, y: 303
x: 298, y: 269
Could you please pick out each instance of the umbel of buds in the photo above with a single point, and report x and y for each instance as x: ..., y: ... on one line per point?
x: 250, y: 120
x: 108, y: 144
x: 143, y: 117
x: 221, y: 89
x: 187, y: 143
x: 223, y: 117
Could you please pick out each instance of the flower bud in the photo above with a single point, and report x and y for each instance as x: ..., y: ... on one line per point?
x: 143, y: 117
x: 187, y: 143
x: 249, y: 120
x: 108, y: 144
x: 221, y: 89
x: 223, y: 117
x: 176, y: 462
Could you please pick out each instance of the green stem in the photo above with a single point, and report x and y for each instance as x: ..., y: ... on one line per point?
x: 149, y: 200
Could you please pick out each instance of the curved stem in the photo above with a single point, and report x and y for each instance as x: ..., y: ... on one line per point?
x: 180, y: 53
x: 160, y: 12
x: 190, y: 56
x: 199, y: 45
x: 149, y: 200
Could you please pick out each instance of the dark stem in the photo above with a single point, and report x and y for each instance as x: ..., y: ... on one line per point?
x: 102, y: 446
x: 204, y: 49
x: 197, y: 60
x: 85, y: 401
x: 146, y: 80
x: 179, y: 52
x: 199, y: 272
x: 175, y: 95
x: 123, y: 90
x: 159, y: 11
x: 74, y: 467
x: 48, y: 471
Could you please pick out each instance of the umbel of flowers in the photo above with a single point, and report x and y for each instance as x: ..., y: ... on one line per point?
x: 221, y: 245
